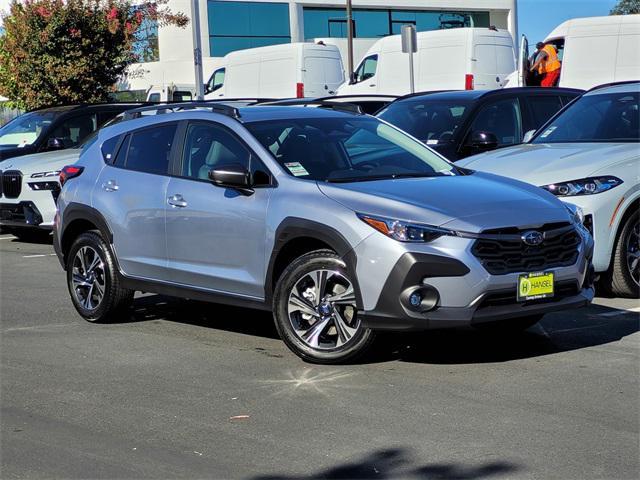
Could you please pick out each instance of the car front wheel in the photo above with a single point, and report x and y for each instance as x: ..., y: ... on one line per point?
x: 315, y: 310
x: 625, y: 272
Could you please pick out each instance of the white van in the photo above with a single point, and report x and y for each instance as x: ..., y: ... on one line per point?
x: 455, y: 59
x: 171, y: 93
x: 278, y: 71
x: 593, y: 51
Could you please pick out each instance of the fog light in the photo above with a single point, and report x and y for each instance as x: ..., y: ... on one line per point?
x: 415, y: 299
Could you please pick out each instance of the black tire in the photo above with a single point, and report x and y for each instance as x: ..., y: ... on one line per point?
x: 511, y: 325
x: 31, y: 235
x: 115, y: 299
x: 355, y: 346
x: 619, y: 280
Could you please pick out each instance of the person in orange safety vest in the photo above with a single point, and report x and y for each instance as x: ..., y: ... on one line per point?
x: 547, y: 64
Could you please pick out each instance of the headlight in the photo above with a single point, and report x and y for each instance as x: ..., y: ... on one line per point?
x: 45, y: 174
x: 576, y: 212
x: 584, y: 186
x: 405, y: 232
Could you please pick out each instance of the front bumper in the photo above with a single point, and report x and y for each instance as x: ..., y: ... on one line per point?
x: 456, y: 290
x: 22, y: 215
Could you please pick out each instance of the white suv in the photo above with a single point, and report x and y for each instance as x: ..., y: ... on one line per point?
x: 29, y: 186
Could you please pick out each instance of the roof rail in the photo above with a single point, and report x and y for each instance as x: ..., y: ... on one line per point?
x: 177, y: 107
x: 428, y: 92
x: 318, y: 102
x: 241, y: 99
x: 613, y: 84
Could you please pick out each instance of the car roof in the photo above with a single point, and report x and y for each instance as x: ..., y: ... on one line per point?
x: 458, y: 95
x: 88, y: 106
x: 621, y: 87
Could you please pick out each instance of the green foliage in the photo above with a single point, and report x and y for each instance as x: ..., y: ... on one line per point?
x: 55, y: 52
x: 626, y: 7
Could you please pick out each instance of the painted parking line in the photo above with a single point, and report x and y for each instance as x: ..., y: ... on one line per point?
x: 39, y: 255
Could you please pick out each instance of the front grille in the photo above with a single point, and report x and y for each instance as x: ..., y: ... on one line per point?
x: 502, y: 251
x: 11, y: 183
x: 510, y: 297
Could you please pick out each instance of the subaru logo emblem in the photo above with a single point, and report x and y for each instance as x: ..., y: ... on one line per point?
x: 532, y: 237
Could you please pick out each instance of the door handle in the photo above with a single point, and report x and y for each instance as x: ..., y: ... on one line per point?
x: 176, y: 201
x: 372, y: 85
x: 110, y: 186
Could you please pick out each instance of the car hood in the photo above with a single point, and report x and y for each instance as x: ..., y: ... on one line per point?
x: 542, y: 164
x: 470, y: 203
x: 42, y: 162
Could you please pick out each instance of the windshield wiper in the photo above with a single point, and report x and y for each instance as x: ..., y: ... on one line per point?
x: 370, y: 178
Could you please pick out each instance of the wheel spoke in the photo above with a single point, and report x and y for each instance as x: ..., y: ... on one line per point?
x: 81, y: 257
x: 79, y: 280
x: 94, y: 263
x: 87, y: 300
x: 345, y: 332
x: 320, y: 280
x: 300, y: 304
x: 312, y: 336
x: 346, y: 297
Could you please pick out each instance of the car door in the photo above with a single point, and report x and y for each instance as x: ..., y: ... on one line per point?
x: 215, y: 235
x: 131, y: 194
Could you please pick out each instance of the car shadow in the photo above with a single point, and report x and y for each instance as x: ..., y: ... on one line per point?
x: 557, y: 332
x: 400, y: 463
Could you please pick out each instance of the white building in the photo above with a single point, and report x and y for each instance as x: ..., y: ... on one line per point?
x: 228, y: 25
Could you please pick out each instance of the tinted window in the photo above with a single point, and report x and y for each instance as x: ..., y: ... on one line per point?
x: 121, y: 156
x: 74, y: 130
x: 207, y: 147
x: 610, y: 117
x: 544, y: 107
x: 346, y: 150
x: 502, y: 118
x: 433, y: 122
x: 108, y: 149
x: 149, y: 149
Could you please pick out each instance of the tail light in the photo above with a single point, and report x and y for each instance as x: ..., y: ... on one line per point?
x: 468, y: 81
x: 69, y: 172
x: 300, y: 90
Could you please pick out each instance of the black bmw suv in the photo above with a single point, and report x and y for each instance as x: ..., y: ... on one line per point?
x: 458, y: 124
x: 55, y: 128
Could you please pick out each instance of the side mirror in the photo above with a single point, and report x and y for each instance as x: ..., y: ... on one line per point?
x: 55, y: 143
x: 232, y: 176
x: 483, y: 141
x: 528, y: 136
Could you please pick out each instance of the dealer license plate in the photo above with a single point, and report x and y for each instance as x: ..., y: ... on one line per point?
x: 534, y: 286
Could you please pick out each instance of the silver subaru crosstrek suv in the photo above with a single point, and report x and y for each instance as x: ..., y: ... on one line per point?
x: 338, y: 222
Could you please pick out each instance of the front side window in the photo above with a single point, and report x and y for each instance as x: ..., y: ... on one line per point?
x: 346, y: 149
x: 216, y: 81
x: 544, y: 107
x: 433, y: 122
x: 150, y: 149
x: 26, y: 129
x: 503, y: 119
x: 612, y: 117
x: 207, y: 147
x: 74, y: 130
x: 367, y: 69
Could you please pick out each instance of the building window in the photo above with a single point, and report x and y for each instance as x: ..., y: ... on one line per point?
x: 331, y: 22
x: 240, y: 25
x: 145, y: 44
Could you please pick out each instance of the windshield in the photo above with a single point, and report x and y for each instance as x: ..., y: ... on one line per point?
x: 346, y: 149
x: 612, y: 117
x: 430, y: 121
x: 26, y: 129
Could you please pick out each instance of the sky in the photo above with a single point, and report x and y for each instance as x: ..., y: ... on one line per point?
x: 536, y: 18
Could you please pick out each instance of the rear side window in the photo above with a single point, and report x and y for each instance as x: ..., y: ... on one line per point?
x: 108, y: 149
x: 149, y: 149
x: 544, y: 107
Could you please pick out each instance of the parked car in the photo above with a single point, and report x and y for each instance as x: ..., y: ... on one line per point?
x: 589, y: 155
x: 458, y: 124
x: 28, y: 190
x: 366, y: 103
x: 278, y: 71
x: 340, y: 223
x: 55, y: 128
x: 455, y: 59
x: 612, y: 40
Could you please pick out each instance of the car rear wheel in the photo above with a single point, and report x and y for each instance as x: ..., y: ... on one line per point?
x: 93, y: 281
x: 624, y: 276
x: 315, y: 310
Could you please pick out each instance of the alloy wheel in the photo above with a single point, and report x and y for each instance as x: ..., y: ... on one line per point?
x: 88, y: 278
x: 633, y: 253
x: 322, y: 309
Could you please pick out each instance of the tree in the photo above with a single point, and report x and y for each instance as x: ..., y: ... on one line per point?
x: 73, y: 51
x: 626, y: 7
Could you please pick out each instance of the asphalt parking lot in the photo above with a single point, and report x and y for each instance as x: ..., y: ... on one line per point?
x: 192, y: 390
